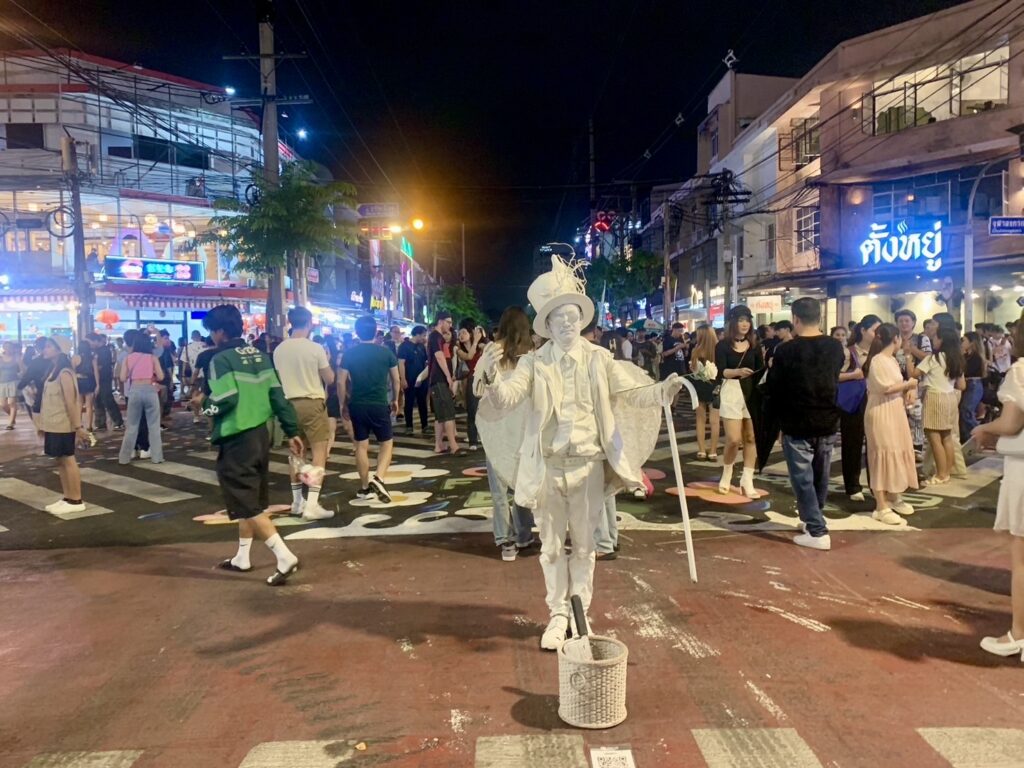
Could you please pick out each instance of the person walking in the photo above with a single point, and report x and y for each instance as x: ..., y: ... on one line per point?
x: 10, y: 372
x: 739, y: 360
x: 86, y: 372
x: 802, y: 386
x: 853, y: 401
x: 105, y: 402
x: 975, y: 371
x: 442, y: 385
x: 60, y: 421
x: 304, y: 370
x: 142, y: 377
x: 412, y: 362
x: 245, y: 392
x: 707, y: 401
x: 943, y: 374
x: 1006, y: 433
x: 891, y: 466
x: 366, y: 372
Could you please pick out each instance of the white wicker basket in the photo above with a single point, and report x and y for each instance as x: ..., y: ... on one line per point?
x: 592, y: 694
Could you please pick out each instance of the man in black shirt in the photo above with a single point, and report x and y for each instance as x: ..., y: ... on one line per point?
x: 802, y: 385
x: 105, y: 402
x: 412, y: 359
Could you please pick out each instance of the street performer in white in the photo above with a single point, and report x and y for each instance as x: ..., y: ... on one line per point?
x: 592, y: 424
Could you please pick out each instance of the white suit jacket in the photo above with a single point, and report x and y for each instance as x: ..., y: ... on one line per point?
x: 537, y: 376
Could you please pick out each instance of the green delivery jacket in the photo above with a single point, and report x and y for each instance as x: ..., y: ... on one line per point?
x: 245, y: 392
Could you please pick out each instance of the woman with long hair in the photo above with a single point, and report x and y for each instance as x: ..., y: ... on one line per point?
x: 943, y: 374
x: 472, y: 339
x: 513, y: 528
x: 739, y: 359
x: 10, y: 372
x: 142, y: 375
x: 60, y: 420
x: 852, y: 402
x: 704, y: 352
x: 975, y: 371
x: 87, y: 372
x: 891, y: 467
x: 1010, y: 509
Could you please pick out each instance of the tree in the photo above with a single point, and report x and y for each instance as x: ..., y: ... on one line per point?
x: 459, y: 300
x: 282, y: 226
x: 624, y: 279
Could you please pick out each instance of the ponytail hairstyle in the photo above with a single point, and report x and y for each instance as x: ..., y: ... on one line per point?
x: 858, y: 329
x: 977, y: 347
x: 951, y: 352
x: 885, y: 335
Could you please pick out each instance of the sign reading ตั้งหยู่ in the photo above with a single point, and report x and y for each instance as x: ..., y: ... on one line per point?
x: 882, y: 244
x: 154, y: 270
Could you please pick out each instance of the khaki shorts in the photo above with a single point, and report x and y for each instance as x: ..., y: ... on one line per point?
x: 312, y: 416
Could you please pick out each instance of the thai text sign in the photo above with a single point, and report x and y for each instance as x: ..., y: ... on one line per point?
x: 154, y: 270
x: 883, y: 245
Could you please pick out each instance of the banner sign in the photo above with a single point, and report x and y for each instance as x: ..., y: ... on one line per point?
x: 154, y: 270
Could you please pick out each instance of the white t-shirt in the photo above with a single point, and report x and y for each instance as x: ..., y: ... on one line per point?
x: 298, y: 363
x: 933, y: 372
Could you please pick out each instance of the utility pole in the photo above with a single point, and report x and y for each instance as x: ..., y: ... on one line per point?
x: 69, y: 165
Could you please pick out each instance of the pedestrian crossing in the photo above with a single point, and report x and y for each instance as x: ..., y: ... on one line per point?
x: 962, y: 747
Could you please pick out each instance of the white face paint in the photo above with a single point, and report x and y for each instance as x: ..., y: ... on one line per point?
x: 564, y: 324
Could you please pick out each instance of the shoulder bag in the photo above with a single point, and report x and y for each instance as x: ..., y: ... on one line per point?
x: 850, y: 394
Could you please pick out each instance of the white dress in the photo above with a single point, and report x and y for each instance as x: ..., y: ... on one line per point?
x: 1010, y: 511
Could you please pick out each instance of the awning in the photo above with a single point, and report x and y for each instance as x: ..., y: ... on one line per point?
x: 38, y: 299
x: 180, y: 296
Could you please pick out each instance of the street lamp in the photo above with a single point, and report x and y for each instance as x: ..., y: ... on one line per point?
x: 418, y: 224
x: 303, y: 133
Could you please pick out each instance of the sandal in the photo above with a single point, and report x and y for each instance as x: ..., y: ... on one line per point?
x: 227, y: 565
x: 712, y: 457
x: 701, y: 456
x: 936, y: 481
x: 278, y: 579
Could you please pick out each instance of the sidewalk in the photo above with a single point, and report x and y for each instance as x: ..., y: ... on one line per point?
x: 423, y: 652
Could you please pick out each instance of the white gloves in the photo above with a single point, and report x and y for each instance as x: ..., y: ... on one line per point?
x: 670, y: 388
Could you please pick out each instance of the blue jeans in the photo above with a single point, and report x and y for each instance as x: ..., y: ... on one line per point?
x: 969, y: 402
x: 510, y: 526
x: 809, y: 461
x: 606, y: 535
x: 142, y: 400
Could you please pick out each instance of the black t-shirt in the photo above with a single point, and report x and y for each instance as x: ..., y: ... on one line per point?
x: 203, y: 364
x: 974, y: 367
x: 727, y: 357
x: 675, y: 363
x: 436, y: 343
x: 105, y: 362
x: 415, y: 357
x: 802, y: 386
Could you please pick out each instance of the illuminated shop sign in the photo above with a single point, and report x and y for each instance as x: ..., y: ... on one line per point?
x: 154, y: 270
x: 904, y: 245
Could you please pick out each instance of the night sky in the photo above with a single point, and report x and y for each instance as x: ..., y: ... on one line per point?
x: 477, y: 112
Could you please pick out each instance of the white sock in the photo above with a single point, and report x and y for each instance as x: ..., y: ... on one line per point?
x: 313, y: 497
x: 747, y: 476
x: 726, y: 475
x: 285, y: 558
x: 241, y: 559
x: 296, y: 493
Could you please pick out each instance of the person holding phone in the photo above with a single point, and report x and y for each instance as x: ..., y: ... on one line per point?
x: 738, y: 358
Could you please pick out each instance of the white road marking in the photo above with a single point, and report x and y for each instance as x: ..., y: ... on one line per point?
x: 977, y: 747
x: 905, y: 603
x: 118, y: 759
x: 3, y: 529
x: 803, y: 621
x: 979, y: 475
x: 533, y: 750
x: 754, y: 748
x: 766, y: 701
x: 37, y: 497
x: 649, y: 623
x: 187, y: 471
x: 157, y: 494
x: 298, y: 754
x: 277, y: 467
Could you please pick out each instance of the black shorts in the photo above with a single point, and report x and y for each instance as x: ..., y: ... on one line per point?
x: 59, y: 444
x: 86, y: 385
x: 705, y: 390
x: 333, y: 406
x: 442, y: 401
x: 243, y: 462
x: 371, y: 418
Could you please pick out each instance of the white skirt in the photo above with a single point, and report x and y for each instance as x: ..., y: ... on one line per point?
x: 1010, y: 510
x: 734, y: 406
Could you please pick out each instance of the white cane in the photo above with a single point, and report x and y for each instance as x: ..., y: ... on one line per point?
x: 676, y: 465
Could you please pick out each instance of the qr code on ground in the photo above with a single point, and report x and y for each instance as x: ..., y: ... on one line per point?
x: 606, y: 757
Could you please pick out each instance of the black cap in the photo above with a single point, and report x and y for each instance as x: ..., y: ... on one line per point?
x: 740, y: 310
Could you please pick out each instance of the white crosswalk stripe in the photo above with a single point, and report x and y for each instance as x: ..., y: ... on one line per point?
x: 534, y: 750
x: 158, y: 494
x: 276, y: 467
x: 118, y: 759
x: 977, y: 747
x: 754, y: 748
x: 175, y: 469
x: 38, y: 497
x: 298, y: 754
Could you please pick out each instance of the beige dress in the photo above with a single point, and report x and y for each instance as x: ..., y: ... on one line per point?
x: 890, y: 446
x: 1010, y: 510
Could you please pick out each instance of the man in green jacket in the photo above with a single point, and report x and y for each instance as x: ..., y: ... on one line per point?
x: 244, y: 393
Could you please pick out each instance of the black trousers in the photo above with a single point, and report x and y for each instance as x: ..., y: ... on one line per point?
x: 851, y: 425
x: 105, y: 403
x: 472, y: 403
x: 416, y: 397
x: 142, y: 441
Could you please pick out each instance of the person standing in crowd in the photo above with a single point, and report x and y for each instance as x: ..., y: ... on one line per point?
x: 245, y: 393
x: 783, y: 332
x: 704, y: 352
x: 840, y: 334
x: 105, y: 403
x: 304, y: 370
x: 334, y: 412
x: 672, y: 351
x: 363, y: 391
x: 975, y: 370
x: 394, y: 339
x: 472, y: 340
x: 1001, y: 346
x: 891, y: 466
x: 442, y: 385
x: 513, y: 526
x: 1008, y: 430
x: 624, y: 350
x: 86, y: 373
x: 197, y: 376
x: 166, y: 352
x: 913, y: 347
x: 412, y: 362
x: 802, y: 387
x: 10, y: 372
x: 60, y: 421
x: 740, y: 365
x: 142, y: 376
x: 189, y: 355
x: 853, y: 401
x: 943, y: 374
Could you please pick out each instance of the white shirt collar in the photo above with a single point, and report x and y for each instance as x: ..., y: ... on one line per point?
x: 576, y: 353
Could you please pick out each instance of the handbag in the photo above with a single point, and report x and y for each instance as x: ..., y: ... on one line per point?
x: 851, y: 394
x: 1011, y: 445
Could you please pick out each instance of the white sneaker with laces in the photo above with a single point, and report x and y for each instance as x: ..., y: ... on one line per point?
x: 316, y: 512
x: 823, y: 543
x: 63, y: 508
x: 554, y: 635
x: 144, y: 454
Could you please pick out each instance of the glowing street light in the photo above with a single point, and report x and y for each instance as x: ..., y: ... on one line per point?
x: 303, y: 133
x: 418, y: 224
x: 229, y: 90
x: 396, y: 229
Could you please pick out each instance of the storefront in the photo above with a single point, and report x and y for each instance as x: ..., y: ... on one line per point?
x: 27, y: 314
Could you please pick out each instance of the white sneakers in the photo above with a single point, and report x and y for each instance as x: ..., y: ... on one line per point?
x: 316, y: 512
x: 62, y: 507
x: 509, y: 552
x: 887, y: 516
x: 902, y: 508
x: 857, y: 496
x: 554, y: 635
x: 144, y: 454
x: 823, y: 543
x: 1001, y: 647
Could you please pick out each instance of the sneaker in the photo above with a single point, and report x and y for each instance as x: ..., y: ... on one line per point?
x: 554, y: 634
x: 859, y: 496
x: 886, y: 516
x: 144, y: 454
x: 365, y: 494
x: 378, y: 488
x: 296, y: 510
x: 63, y: 507
x: 474, y: 447
x: 604, y: 556
x: 640, y: 494
x: 196, y: 420
x: 813, y: 542
x: 52, y: 506
x: 509, y: 552
x: 903, y: 508
x: 315, y: 512
x: 119, y: 427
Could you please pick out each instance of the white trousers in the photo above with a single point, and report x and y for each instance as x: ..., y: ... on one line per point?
x: 571, y: 499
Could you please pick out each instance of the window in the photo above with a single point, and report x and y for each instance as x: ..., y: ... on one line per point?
x: 924, y: 199
x: 714, y: 142
x: 808, y: 228
x: 171, y: 152
x: 806, y: 141
x: 25, y: 136
x: 770, y: 241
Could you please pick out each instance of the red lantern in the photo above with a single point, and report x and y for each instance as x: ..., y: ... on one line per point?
x: 260, y: 320
x: 108, y: 317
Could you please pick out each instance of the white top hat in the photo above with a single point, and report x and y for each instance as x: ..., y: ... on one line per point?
x: 562, y: 285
